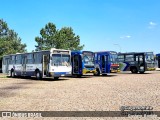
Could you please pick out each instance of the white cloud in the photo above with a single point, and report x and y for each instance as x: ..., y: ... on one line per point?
x: 152, y: 25
x: 125, y: 37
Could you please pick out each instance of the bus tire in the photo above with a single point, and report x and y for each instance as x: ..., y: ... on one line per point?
x: 79, y: 76
x: 134, y: 70
x: 12, y: 74
x: 141, y: 72
x: 38, y: 75
x: 104, y: 74
x: 97, y: 73
x: 56, y: 78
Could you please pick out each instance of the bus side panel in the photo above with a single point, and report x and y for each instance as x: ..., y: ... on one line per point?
x: 31, y: 68
x: 10, y: 67
x: 17, y: 69
x: 5, y: 64
x: 124, y: 66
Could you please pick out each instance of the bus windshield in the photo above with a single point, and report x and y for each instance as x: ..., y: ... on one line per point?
x: 113, y: 58
x: 149, y: 56
x: 60, y: 60
x: 88, y: 59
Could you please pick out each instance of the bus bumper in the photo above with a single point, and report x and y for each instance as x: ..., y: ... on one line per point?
x: 60, y: 74
x: 115, y: 70
x: 85, y: 71
x: 151, y: 69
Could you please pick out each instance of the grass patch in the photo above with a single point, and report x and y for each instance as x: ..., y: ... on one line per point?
x: 3, y: 76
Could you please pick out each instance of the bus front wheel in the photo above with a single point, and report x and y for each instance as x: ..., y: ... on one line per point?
x: 141, y: 72
x: 79, y: 75
x: 104, y: 74
x: 38, y: 75
x: 134, y: 70
x: 56, y: 78
x: 12, y: 74
x: 97, y: 73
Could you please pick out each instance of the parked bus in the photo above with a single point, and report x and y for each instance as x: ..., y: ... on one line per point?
x: 82, y: 62
x: 48, y: 63
x: 150, y: 60
x: 102, y: 63
x: 134, y: 62
x: 158, y: 60
x: 113, y: 57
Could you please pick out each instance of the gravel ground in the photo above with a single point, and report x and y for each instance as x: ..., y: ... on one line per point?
x: 89, y: 93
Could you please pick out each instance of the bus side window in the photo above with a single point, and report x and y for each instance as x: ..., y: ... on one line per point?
x: 95, y: 56
x: 12, y: 60
x: 18, y: 59
x: 98, y: 57
x: 29, y: 58
x: 129, y: 58
x: 121, y: 58
x: 3, y: 61
x: 136, y: 58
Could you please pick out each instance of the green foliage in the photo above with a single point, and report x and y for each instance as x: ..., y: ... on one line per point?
x: 10, y: 43
x: 64, y: 38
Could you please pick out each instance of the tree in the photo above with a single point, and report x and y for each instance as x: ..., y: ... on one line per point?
x: 10, y: 43
x: 64, y: 38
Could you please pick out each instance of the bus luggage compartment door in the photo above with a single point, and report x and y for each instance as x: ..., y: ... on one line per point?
x: 77, y: 64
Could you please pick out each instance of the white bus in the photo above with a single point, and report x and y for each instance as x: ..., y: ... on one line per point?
x: 42, y: 64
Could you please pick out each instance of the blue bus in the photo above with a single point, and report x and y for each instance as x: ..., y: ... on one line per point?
x: 136, y: 61
x: 113, y: 57
x: 102, y: 63
x: 158, y: 59
x: 150, y: 60
x: 82, y: 62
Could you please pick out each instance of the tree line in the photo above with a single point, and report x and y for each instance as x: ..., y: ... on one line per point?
x: 50, y: 37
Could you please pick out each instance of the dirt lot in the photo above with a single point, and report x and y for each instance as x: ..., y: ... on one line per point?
x: 89, y: 93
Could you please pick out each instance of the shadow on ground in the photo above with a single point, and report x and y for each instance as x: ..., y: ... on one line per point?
x: 34, y: 79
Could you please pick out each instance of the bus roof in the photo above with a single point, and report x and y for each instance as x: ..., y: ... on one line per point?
x: 158, y: 54
x: 127, y: 53
x: 80, y: 52
x: 109, y: 52
x: 51, y: 50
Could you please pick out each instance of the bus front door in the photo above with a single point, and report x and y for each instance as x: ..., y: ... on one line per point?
x: 158, y: 61
x: 45, y: 67
x: 104, y: 64
x: 24, y: 62
x: 77, y: 64
x: 140, y: 59
x: 6, y: 60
